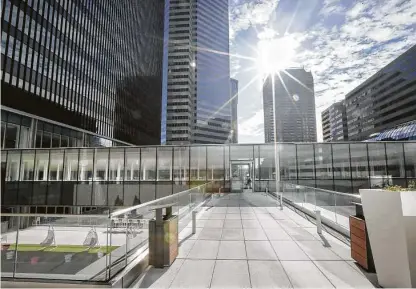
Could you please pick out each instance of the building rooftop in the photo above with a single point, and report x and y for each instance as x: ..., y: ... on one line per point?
x: 246, y: 241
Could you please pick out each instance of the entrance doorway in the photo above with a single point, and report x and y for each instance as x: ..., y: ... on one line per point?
x: 241, y: 170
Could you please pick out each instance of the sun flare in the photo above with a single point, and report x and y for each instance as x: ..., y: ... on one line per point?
x: 275, y: 54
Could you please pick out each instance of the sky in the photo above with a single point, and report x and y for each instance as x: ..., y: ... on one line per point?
x: 342, y: 42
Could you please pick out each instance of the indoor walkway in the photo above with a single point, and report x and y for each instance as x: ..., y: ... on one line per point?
x: 246, y: 241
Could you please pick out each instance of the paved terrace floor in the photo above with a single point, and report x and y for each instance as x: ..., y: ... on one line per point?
x: 246, y: 241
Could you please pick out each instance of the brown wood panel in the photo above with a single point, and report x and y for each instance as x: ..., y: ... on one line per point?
x: 357, y: 232
x: 356, y: 222
x: 360, y: 259
x: 361, y: 251
x: 359, y: 241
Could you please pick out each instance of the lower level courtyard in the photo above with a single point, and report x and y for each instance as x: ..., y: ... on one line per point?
x: 246, y: 240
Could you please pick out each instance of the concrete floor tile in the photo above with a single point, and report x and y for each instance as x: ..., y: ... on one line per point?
x: 187, y: 234
x: 316, y: 250
x: 232, y: 250
x: 232, y: 234
x: 185, y: 247
x: 194, y: 274
x: 214, y: 224
x: 254, y: 235
x: 233, y: 210
x: 299, y: 234
x: 216, y: 217
x: 268, y: 274
x: 248, y: 216
x: 230, y: 274
x: 260, y: 250
x: 304, y: 274
x: 287, y: 223
x: 204, y: 249
x: 276, y: 234
x: 231, y: 216
x: 265, y: 216
x: 200, y: 223
x: 233, y: 224
x: 217, y: 209
x: 343, y: 275
x: 159, y: 277
x: 245, y: 210
x: 288, y: 250
x: 251, y: 224
x: 268, y: 223
x: 210, y: 234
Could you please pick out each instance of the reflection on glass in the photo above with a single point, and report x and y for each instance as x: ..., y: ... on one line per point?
x: 56, y: 165
x: 395, y: 161
x: 341, y: 161
x: 410, y: 157
x: 101, y: 165
x: 164, y: 164
x: 215, y: 159
x: 287, y: 158
x: 306, y: 162
x: 148, y: 164
x: 86, y: 157
x: 132, y: 164
x: 41, y: 166
x: 359, y: 161
x: 71, y: 165
x: 323, y: 161
x: 180, y: 164
x: 198, y: 163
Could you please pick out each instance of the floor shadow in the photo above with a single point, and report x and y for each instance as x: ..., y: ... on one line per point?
x: 324, y: 240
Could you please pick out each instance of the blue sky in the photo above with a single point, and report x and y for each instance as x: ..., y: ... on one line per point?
x: 343, y: 42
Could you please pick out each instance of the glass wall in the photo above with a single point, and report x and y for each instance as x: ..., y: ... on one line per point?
x: 19, y: 131
x: 127, y: 176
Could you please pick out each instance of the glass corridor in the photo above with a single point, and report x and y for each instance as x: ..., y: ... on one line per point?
x: 125, y: 176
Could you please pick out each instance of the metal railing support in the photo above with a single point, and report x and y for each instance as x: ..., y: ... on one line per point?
x: 318, y: 222
x: 194, y: 221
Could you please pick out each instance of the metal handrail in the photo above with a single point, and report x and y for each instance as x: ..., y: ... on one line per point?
x: 327, y: 191
x: 124, y: 211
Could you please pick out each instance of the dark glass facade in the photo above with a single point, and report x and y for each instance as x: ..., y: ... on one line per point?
x: 92, y: 65
x: 385, y: 100
x: 334, y: 123
x: 290, y: 92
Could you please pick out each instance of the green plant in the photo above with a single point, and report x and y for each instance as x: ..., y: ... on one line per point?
x: 395, y: 188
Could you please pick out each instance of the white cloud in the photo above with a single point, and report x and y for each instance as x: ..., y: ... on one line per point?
x: 251, y: 127
x: 248, y: 13
x: 342, y: 55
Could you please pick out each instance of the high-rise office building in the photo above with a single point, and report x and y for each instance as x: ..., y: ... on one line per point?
x: 385, y: 100
x: 70, y: 77
x: 234, y: 109
x: 198, y: 87
x: 334, y: 123
x: 289, y: 97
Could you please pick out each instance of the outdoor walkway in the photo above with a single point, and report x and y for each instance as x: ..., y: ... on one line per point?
x: 246, y: 241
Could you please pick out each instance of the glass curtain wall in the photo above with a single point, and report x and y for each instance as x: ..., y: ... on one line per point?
x: 127, y: 176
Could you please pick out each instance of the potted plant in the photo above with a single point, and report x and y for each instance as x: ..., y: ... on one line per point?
x: 390, y: 215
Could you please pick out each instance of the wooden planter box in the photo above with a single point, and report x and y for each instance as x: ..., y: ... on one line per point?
x: 360, y: 245
x: 391, y: 223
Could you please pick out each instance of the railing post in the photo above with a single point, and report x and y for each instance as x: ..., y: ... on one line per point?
x: 127, y: 240
x: 281, y: 200
x: 16, y: 247
x: 194, y: 222
x: 318, y: 222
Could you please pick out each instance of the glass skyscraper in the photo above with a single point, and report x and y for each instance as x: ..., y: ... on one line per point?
x: 70, y: 77
x: 289, y: 100
x: 198, y: 86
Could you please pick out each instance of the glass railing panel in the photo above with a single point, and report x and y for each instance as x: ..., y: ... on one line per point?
x: 52, y: 247
x: 9, y: 235
x: 325, y: 203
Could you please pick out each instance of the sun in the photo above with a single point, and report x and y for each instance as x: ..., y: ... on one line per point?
x: 275, y: 54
